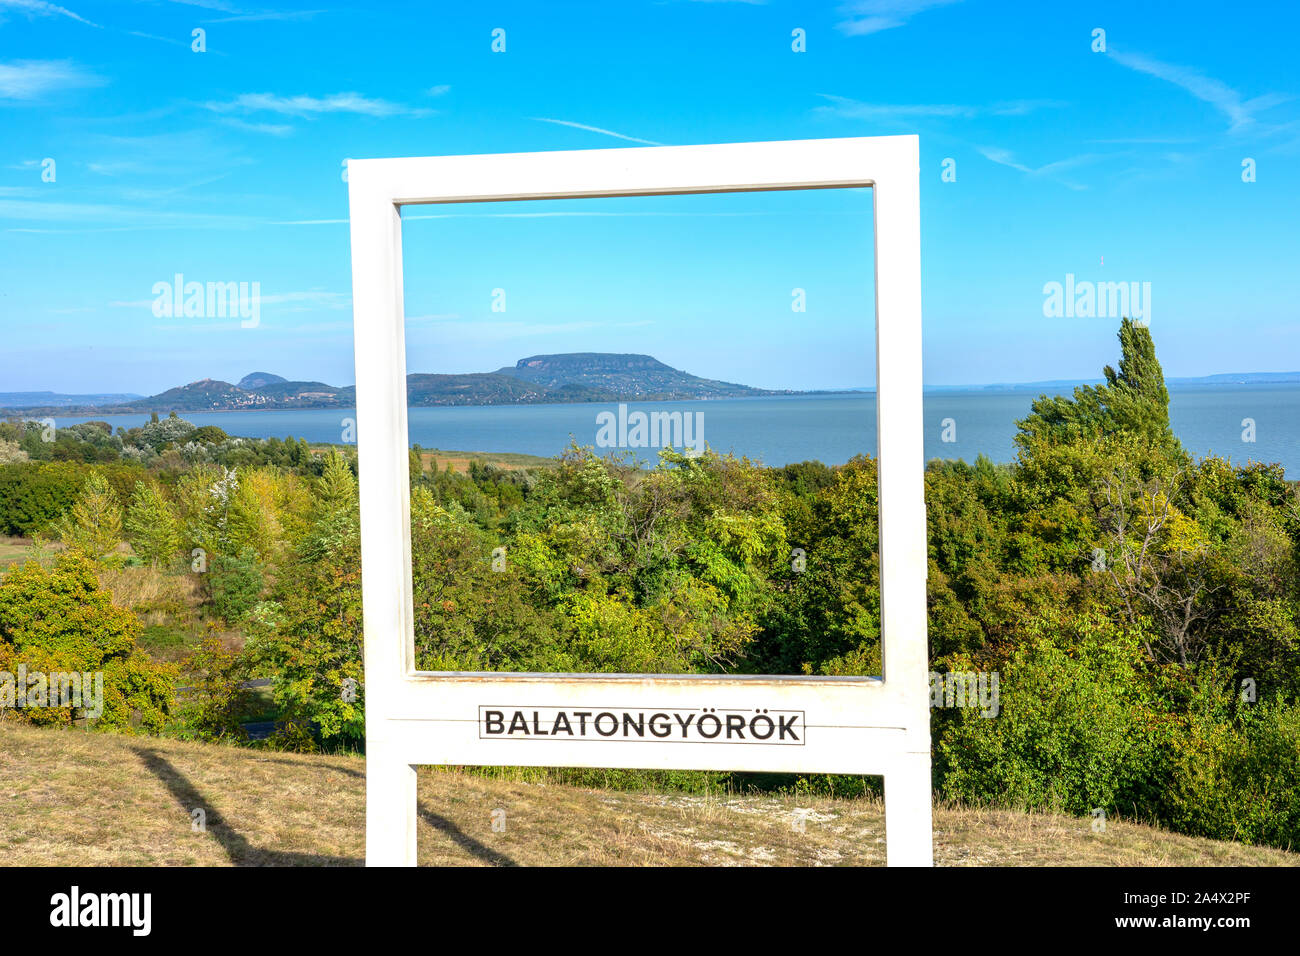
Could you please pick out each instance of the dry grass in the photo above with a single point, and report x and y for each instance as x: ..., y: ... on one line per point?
x: 70, y: 797
x: 169, y: 607
x: 157, y: 597
x: 460, y: 460
x: 14, y: 551
x: 436, y: 459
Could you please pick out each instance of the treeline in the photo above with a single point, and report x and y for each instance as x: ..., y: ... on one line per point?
x: 168, y: 443
x: 1139, y: 609
x: 32, y: 498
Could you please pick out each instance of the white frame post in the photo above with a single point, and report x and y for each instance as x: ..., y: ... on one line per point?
x: 855, y: 725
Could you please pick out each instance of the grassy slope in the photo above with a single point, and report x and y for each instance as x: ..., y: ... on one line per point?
x: 13, y: 550
x: 460, y: 460
x: 70, y: 797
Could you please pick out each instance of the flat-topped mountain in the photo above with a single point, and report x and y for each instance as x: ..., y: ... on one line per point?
x: 539, y: 379
x: 627, y: 375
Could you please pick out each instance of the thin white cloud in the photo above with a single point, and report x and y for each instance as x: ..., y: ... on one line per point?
x: 440, y: 90
x: 151, y: 36
x: 595, y: 129
x: 1145, y: 141
x: 165, y: 158
x: 305, y: 301
x: 26, y: 80
x: 1004, y: 157
x: 311, y: 106
x: 1231, y: 103
x: 271, y: 129
x: 479, y: 332
x: 219, y: 5
x: 856, y: 109
x: 865, y: 17
x: 119, y: 216
x: 267, y: 15
x: 39, y: 8
x: 234, y: 14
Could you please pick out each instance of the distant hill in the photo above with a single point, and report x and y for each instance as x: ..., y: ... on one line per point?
x: 57, y: 400
x: 206, y: 393
x: 538, y: 379
x: 488, y: 388
x: 256, y: 380
x: 625, y: 375
x: 1240, y: 378
x: 572, y: 377
x: 295, y: 394
x: 1066, y: 385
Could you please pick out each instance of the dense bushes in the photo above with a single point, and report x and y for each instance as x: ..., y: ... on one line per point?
x: 34, y: 495
x: 1122, y: 593
x: 1078, y: 725
x: 170, y: 443
x: 1236, y: 774
x: 61, y: 621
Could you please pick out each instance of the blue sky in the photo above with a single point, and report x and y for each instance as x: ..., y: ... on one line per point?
x: 225, y: 165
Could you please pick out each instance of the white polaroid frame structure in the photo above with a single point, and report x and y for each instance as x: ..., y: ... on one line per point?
x: 850, y: 725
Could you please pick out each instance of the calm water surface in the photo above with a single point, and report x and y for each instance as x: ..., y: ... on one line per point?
x: 779, y: 430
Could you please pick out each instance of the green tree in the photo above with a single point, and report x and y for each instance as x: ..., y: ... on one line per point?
x: 152, y: 525
x: 234, y: 584
x: 1133, y: 400
x: 94, y: 525
x: 310, y: 636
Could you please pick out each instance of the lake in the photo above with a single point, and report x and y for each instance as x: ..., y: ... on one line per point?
x: 789, y: 428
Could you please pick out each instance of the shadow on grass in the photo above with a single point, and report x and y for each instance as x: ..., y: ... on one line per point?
x: 242, y: 853
x: 237, y: 847
x: 464, y: 840
x: 333, y: 768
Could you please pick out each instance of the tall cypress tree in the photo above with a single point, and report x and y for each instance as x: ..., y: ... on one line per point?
x: 1132, y: 401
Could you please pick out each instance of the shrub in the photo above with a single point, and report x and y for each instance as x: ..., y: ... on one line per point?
x: 1078, y: 727
x: 1237, y: 776
x: 234, y: 585
x: 215, y: 705
x: 34, y: 495
x: 62, y: 621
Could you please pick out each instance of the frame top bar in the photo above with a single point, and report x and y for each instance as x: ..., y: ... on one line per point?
x: 640, y: 171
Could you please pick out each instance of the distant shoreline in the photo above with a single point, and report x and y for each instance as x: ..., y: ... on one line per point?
x: 830, y: 427
x: 1047, y: 388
